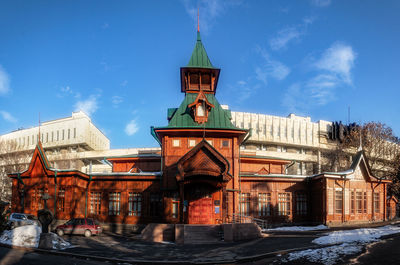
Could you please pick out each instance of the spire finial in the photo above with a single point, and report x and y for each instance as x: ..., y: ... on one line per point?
x: 39, y: 128
x: 198, y: 20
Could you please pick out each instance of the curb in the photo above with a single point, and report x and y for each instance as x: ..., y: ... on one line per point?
x: 145, y: 262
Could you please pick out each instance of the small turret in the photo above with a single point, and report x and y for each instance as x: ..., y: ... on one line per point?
x: 199, y: 74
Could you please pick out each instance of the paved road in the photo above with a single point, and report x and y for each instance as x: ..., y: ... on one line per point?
x: 386, y: 252
x: 10, y: 256
x: 383, y: 252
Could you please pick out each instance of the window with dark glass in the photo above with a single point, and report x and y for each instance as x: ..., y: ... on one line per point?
x: 365, y: 202
x: 359, y: 201
x: 245, y: 203
x: 338, y: 201
x: 114, y: 204
x: 135, y: 204
x: 352, y: 201
x: 301, y: 204
x: 95, y: 202
x: 376, y: 202
x: 284, y: 203
x: 264, y: 204
x: 155, y: 204
x: 175, y: 206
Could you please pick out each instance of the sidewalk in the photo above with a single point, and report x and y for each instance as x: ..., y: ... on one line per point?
x: 134, y: 250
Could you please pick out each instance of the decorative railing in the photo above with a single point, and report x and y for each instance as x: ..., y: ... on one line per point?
x: 240, y: 218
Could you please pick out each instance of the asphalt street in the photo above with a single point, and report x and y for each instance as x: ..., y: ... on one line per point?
x: 383, y: 252
x: 10, y: 256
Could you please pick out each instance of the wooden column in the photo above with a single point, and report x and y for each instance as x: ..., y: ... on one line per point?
x: 181, y: 202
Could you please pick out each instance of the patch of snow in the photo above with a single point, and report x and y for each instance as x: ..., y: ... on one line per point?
x: 327, y: 256
x: 351, y: 242
x: 297, y: 228
x: 362, y: 235
x: 59, y: 243
x: 23, y: 236
x: 29, y: 236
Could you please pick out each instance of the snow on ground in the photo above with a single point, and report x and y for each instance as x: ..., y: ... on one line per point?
x: 328, y: 255
x: 23, y: 236
x: 351, y: 242
x: 297, y: 228
x: 362, y: 235
x: 59, y: 242
x: 29, y: 236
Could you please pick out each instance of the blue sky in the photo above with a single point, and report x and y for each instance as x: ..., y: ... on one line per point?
x: 119, y: 60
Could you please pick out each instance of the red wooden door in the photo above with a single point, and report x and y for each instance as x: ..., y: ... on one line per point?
x: 201, y: 211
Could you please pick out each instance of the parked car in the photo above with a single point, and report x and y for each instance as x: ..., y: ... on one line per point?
x: 80, y: 226
x: 20, y: 219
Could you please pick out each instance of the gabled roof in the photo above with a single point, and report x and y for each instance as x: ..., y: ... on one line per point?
x: 199, y: 58
x: 359, y: 160
x: 203, y: 159
x: 38, y: 154
x: 218, y: 118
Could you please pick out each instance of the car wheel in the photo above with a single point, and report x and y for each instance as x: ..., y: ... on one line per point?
x: 60, y: 232
x: 12, y: 225
x: 88, y: 233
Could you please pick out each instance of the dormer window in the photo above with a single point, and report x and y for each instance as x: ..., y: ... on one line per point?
x: 200, y: 108
x: 200, y: 111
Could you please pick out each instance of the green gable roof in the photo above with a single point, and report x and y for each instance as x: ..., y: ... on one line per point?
x: 199, y: 57
x: 218, y: 118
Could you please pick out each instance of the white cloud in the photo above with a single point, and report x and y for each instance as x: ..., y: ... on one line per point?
x: 333, y: 72
x: 270, y: 68
x: 283, y: 37
x: 4, y: 81
x: 89, y: 105
x: 124, y: 83
x: 116, y: 100
x: 209, y: 11
x: 338, y: 59
x: 131, y: 128
x: 288, y: 34
x: 7, y: 116
x: 321, y: 3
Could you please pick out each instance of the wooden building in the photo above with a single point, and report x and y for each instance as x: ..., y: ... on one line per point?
x: 201, y: 176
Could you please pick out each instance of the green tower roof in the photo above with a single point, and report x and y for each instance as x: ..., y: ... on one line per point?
x: 218, y: 118
x: 199, y: 57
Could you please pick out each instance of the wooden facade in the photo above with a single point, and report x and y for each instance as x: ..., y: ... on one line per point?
x: 201, y: 176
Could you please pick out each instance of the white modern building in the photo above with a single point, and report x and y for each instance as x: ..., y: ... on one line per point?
x: 293, y: 138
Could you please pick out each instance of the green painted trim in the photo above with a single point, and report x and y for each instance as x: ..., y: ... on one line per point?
x: 154, y: 134
x: 86, y: 197
x: 43, y: 157
x: 55, y: 193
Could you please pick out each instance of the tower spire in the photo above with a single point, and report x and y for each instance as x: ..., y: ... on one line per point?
x: 39, y: 129
x: 198, y: 20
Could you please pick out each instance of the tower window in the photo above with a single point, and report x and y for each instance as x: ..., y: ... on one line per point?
x: 200, y: 111
x: 192, y: 142
x: 176, y: 143
x: 225, y: 143
x: 194, y: 79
